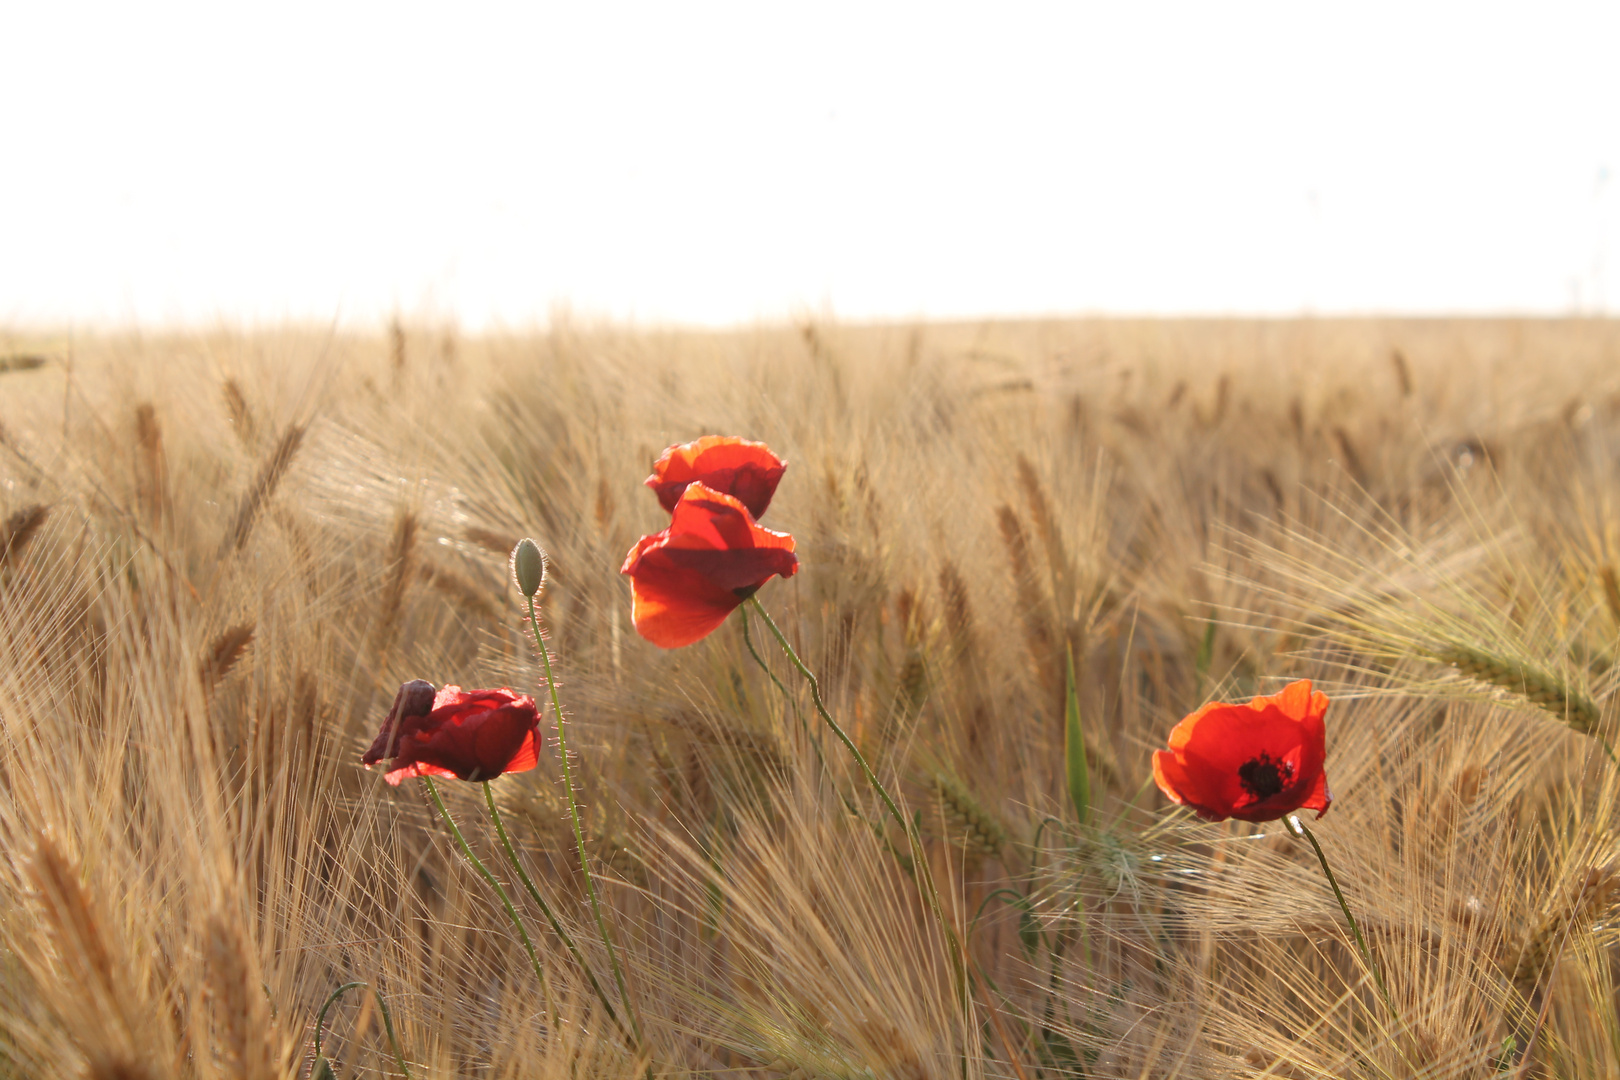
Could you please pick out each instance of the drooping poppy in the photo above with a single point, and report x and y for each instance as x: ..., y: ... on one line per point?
x: 747, y: 471
x: 465, y: 734
x: 1253, y: 762
x: 688, y: 578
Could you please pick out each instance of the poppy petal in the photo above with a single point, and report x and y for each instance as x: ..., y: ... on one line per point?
x: 686, y: 579
x: 469, y: 735
x: 1255, y: 761
x: 1177, y: 782
x: 527, y: 756
x: 672, y: 607
x: 745, y: 470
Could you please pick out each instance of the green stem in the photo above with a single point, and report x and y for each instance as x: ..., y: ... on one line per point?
x: 579, y: 833
x: 506, y: 901
x: 393, y: 1040
x: 534, y: 894
x: 1299, y: 828
x: 959, y: 971
x: 748, y: 639
x: 320, y: 1017
x: 821, y: 758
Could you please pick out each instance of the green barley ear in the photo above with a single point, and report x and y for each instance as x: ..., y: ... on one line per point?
x: 1074, y: 750
x: 970, y: 819
x: 1535, y: 685
x: 528, y: 567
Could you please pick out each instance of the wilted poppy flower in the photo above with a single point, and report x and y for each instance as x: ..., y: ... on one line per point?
x: 466, y: 734
x: 688, y: 578
x: 747, y: 471
x: 1253, y: 762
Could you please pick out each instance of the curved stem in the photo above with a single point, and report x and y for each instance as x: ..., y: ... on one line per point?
x: 320, y: 1017
x: 821, y: 758
x: 534, y: 894
x: 393, y: 1040
x: 506, y: 901
x: 579, y: 833
x: 959, y: 972
x: 1299, y: 828
x: 748, y: 639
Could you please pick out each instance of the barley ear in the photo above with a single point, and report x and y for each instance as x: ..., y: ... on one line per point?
x: 19, y: 529
x: 223, y: 653
x: 971, y: 820
x: 1588, y: 895
x: 1539, y: 687
x: 241, y: 1013
x: 262, y: 488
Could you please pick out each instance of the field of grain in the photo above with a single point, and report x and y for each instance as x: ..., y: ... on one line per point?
x: 220, y: 555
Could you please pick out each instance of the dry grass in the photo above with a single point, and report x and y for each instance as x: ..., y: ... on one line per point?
x: 220, y: 555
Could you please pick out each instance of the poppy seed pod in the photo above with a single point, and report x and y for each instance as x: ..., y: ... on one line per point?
x: 528, y: 567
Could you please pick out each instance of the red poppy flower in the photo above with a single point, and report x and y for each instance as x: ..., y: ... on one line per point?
x: 747, y: 471
x: 688, y: 578
x: 1253, y: 762
x: 465, y: 734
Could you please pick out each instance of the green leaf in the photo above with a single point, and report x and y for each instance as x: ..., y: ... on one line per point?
x: 1029, y: 932
x: 1206, y: 651
x: 1074, y: 751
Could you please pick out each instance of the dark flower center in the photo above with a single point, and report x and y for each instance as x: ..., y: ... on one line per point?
x: 1264, y: 776
x: 745, y: 592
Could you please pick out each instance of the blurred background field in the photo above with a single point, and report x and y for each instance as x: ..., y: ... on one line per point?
x: 221, y: 554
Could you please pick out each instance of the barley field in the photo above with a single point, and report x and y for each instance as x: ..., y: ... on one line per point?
x: 220, y: 556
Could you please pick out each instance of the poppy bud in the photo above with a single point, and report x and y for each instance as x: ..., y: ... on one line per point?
x: 528, y: 567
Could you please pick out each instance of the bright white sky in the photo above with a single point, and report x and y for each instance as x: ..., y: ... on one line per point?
x: 704, y: 163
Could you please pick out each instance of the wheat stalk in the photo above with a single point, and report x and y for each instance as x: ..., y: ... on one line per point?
x: 98, y: 981
x: 1037, y: 627
x: 19, y: 528
x: 223, y: 653
x: 464, y: 593
x: 241, y: 417
x: 1403, y: 372
x: 402, y: 568
x: 152, y: 486
x: 241, y: 1014
x: 496, y: 543
x: 1587, y: 897
x: 262, y: 488
x: 21, y: 362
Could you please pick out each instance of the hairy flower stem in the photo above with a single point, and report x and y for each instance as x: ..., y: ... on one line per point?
x: 1299, y: 828
x: 320, y: 1017
x: 506, y: 901
x: 815, y: 743
x: 534, y: 894
x: 579, y: 832
x: 388, y: 1026
x: 393, y: 1040
x: 959, y: 973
